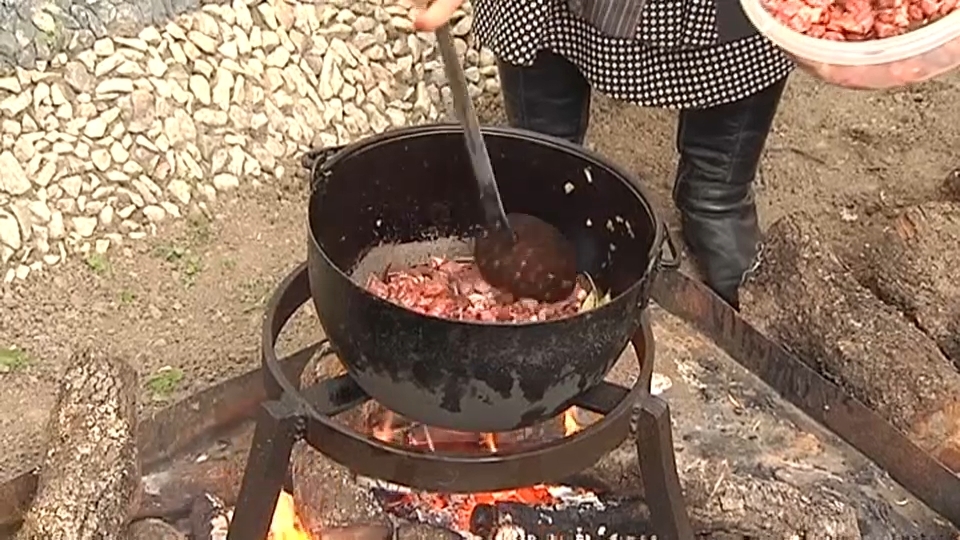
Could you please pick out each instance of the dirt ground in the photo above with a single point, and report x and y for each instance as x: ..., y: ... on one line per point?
x: 185, y: 306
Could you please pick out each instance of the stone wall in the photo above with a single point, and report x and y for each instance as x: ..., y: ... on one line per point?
x: 100, y: 144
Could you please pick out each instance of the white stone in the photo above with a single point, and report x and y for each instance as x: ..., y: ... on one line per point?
x: 95, y: 128
x: 10, y: 84
x: 55, y: 228
x: 200, y: 88
x: 115, y: 85
x: 9, y: 231
x: 101, y: 159
x: 118, y: 152
x: 16, y: 104
x: 154, y: 213
x: 179, y: 189
x: 13, y: 179
x: 106, y: 215
x: 84, y: 226
x: 225, y: 182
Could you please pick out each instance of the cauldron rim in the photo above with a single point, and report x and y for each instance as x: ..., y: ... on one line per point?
x: 399, y: 134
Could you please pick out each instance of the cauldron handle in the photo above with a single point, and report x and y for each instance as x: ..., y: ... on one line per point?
x: 668, y: 259
x: 313, y: 160
x: 669, y: 255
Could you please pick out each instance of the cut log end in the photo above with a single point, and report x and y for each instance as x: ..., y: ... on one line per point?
x: 808, y: 299
x: 90, y: 473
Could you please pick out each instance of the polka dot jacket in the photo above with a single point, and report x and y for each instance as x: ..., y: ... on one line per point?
x: 676, y: 60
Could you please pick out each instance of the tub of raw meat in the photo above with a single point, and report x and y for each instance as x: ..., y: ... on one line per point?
x: 868, y: 44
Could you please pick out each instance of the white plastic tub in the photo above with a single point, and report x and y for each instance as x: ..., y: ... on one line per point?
x: 882, y: 63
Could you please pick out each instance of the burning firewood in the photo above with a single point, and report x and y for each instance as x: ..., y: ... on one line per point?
x: 327, y: 498
x: 209, y: 518
x: 90, y: 473
x: 610, y: 519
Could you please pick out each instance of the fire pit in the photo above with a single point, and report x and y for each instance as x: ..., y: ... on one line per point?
x: 465, y: 390
x: 292, y: 414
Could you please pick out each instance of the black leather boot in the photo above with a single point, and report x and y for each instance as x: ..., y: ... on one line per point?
x: 720, y: 150
x: 550, y: 97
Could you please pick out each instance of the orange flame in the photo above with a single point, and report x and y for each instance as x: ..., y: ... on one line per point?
x: 463, y: 505
x: 384, y: 432
x: 286, y: 524
x: 570, y: 424
x: 490, y: 441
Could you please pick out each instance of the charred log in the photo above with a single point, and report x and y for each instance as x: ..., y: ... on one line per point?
x: 361, y: 531
x: 209, y: 518
x: 610, y: 519
x: 326, y: 494
x: 805, y: 298
x: 741, y: 506
x: 910, y: 262
x: 174, y: 491
x: 153, y: 529
x: 90, y: 472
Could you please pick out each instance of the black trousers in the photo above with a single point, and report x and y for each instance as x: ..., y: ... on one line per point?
x: 719, y: 148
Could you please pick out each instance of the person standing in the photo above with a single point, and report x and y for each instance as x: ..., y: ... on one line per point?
x: 702, y: 57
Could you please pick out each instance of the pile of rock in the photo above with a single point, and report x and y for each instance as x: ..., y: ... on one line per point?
x: 99, y: 146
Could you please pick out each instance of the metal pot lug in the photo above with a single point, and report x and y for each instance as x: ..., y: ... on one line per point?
x: 314, y: 161
x: 669, y: 254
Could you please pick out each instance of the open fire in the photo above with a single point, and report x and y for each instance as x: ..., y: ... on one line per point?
x: 455, y: 511
x: 286, y: 524
x: 452, y: 511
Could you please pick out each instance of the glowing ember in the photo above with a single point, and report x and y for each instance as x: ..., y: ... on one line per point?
x: 453, y: 511
x: 458, y: 508
x: 286, y: 524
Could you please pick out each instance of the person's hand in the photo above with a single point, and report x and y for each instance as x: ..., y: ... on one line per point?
x: 435, y: 15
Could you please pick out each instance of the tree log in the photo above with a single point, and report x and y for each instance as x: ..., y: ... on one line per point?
x: 153, y: 529
x: 209, y: 518
x: 744, y: 506
x: 741, y: 506
x: 327, y: 494
x: 90, y: 472
x: 804, y: 297
x: 911, y: 262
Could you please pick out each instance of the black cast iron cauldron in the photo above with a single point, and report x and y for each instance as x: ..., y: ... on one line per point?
x: 414, y: 185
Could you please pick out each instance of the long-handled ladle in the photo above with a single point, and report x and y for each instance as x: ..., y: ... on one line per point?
x: 519, y: 253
